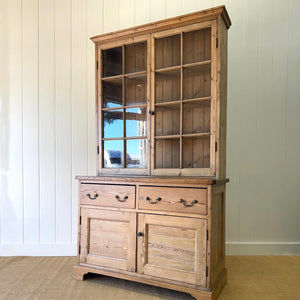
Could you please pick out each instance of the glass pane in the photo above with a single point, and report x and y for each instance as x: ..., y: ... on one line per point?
x: 196, y: 117
x: 167, y: 86
x: 197, y: 46
x: 113, y: 154
x: 135, y: 57
x: 167, y: 153
x: 167, y: 120
x: 136, y: 90
x: 167, y: 52
x: 112, y: 93
x: 113, y: 123
x: 196, y: 82
x: 196, y: 152
x: 112, y: 62
x: 136, y: 121
x: 136, y: 156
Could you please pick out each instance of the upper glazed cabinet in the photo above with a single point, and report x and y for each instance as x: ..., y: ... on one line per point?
x: 161, y: 100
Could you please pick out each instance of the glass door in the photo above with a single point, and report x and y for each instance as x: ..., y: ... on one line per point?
x: 183, y: 101
x: 124, y: 119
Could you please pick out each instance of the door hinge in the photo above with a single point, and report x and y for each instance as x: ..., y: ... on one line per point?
x: 206, y: 271
x: 79, y: 249
x: 207, y: 234
x: 97, y: 65
x: 80, y: 220
x: 217, y: 42
x: 216, y: 146
x: 97, y: 149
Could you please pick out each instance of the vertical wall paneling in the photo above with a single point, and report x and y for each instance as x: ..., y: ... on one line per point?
x: 110, y: 15
x: 11, y: 125
x: 204, y: 4
x: 79, y: 101
x: 46, y: 122
x: 142, y: 12
x: 94, y: 27
x: 174, y: 8
x: 234, y: 132
x: 63, y: 138
x: 158, y: 10
x: 126, y: 13
x: 263, y: 155
x: 47, y: 117
x: 30, y: 25
x: 247, y: 163
x: 189, y: 6
x: 292, y: 117
x: 221, y: 2
x: 278, y: 114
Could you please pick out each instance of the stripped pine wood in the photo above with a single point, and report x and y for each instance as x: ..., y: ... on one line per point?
x: 170, y: 199
x: 107, y: 195
x: 103, y: 243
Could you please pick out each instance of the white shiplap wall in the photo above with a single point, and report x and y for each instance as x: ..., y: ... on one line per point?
x: 47, y: 125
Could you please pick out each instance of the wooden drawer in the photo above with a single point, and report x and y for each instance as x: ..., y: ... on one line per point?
x: 183, y: 200
x: 108, y: 195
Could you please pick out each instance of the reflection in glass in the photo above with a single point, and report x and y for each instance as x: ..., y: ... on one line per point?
x: 196, y: 117
x: 135, y: 57
x: 167, y: 120
x: 112, y: 93
x: 136, y: 156
x: 167, y: 86
x: 113, y: 123
x: 136, y: 90
x: 136, y: 124
x: 112, y: 61
x: 113, y: 154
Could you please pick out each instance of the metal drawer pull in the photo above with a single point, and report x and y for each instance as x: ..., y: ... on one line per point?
x: 153, y: 202
x: 94, y: 197
x: 121, y: 200
x: 188, y: 204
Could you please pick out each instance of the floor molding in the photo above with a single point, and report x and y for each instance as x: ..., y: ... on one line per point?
x: 245, y: 248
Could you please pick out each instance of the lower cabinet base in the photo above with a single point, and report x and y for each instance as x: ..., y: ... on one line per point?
x: 80, y: 271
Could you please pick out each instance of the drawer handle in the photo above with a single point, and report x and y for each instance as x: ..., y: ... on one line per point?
x: 188, y: 204
x: 121, y: 200
x: 139, y: 234
x: 153, y: 202
x: 94, y: 197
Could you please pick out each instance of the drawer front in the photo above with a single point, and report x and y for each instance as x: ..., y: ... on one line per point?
x: 183, y: 200
x: 108, y: 195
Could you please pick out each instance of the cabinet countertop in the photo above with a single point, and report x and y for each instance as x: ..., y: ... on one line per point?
x: 153, y: 179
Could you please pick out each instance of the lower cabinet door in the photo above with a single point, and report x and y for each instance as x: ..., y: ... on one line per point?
x: 172, y: 247
x: 108, y: 238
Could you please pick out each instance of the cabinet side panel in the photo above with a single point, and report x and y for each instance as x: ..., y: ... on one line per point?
x: 217, y: 233
x: 221, y: 149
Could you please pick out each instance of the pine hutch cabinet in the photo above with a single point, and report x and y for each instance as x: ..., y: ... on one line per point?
x: 155, y: 212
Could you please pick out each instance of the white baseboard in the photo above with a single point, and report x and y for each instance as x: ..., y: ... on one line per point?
x: 243, y: 248
x: 38, y: 250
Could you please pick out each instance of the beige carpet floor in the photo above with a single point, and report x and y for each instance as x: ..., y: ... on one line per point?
x: 249, y: 277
